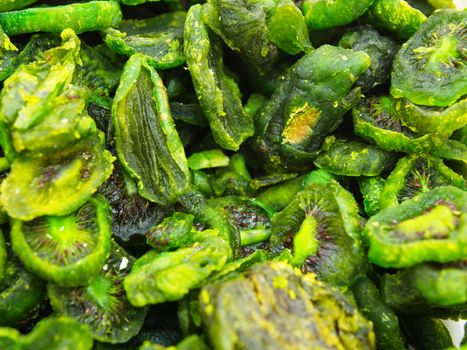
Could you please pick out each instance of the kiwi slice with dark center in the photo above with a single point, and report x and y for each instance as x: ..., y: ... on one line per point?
x: 68, y: 250
x: 102, y: 304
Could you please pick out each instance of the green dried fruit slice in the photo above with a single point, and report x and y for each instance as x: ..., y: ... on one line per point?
x: 273, y: 306
x: 8, y: 5
x: 430, y: 69
x: 381, y: 50
x: 132, y: 215
x: 67, y: 250
x: 9, y: 339
x: 321, y: 225
x: 378, y: 120
x: 428, y: 227
x: 397, y: 16
x: 353, y: 158
x: 371, y: 188
x: 208, y: 159
x: 385, y: 321
x: 426, y: 286
x: 8, y: 54
x: 102, y: 304
x: 417, y: 174
x: 192, y: 342
x: 217, y: 92
x: 81, y: 17
x: 57, y: 183
x: 438, y: 120
x: 58, y: 333
x: 426, y: 332
x: 148, y: 145
x: 21, y: 292
x: 159, y: 39
x: 308, y: 105
x: 168, y: 276
x: 172, y: 233
x: 324, y: 14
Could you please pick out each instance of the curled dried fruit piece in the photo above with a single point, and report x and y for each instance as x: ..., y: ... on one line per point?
x: 322, y: 316
x: 93, y: 15
x: 148, y: 145
x: 8, y: 5
x: 308, y: 105
x: 426, y: 332
x: 172, y: 233
x: 323, y: 14
x: 102, y: 304
x: 427, y: 286
x: 416, y: 174
x: 428, y: 227
x: 322, y: 227
x: 21, y: 292
x: 8, y: 54
x: 371, y: 188
x: 9, y: 339
x: 217, y: 92
x: 159, y: 38
x: 168, y: 276
x: 397, y: 16
x: 68, y: 250
x: 353, y: 158
x: 430, y: 67
x: 378, y: 120
x: 57, y: 183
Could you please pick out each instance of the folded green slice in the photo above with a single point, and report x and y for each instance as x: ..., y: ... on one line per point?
x: 148, y: 145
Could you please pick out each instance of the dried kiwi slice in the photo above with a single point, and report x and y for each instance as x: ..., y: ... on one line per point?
x: 102, y: 304
x: 68, y: 250
x: 416, y: 174
x: 57, y: 333
x: 58, y: 183
x: 159, y: 38
x: 353, y: 158
x: 321, y: 226
x: 430, y: 69
x: 429, y: 227
x: 20, y: 293
x: 377, y: 119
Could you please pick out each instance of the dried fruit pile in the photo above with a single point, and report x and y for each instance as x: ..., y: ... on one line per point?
x: 232, y: 174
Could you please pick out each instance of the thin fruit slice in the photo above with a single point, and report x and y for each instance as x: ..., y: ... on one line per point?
x: 102, y: 304
x: 68, y: 250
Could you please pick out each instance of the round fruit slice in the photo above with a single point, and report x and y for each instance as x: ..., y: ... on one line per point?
x: 102, y: 304
x: 68, y: 250
x: 429, y: 227
x: 430, y: 69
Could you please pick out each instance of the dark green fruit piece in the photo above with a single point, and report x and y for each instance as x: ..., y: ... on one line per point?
x: 273, y: 306
x: 2, y: 255
x: 57, y: 183
x: 148, y: 145
x: 159, y: 39
x: 213, y: 158
x: 438, y: 120
x: 102, y: 304
x: 430, y: 69
x: 426, y: 333
x: 277, y: 197
x: 381, y: 50
x: 353, y: 158
x: 67, y: 250
x: 58, y: 333
x: 308, y: 105
x: 324, y: 14
x: 397, y: 16
x: 428, y: 227
x: 8, y: 5
x: 322, y: 226
x: 8, y: 54
x: 371, y: 188
x: 244, y: 28
x: 217, y: 92
x: 385, y: 321
x: 427, y: 285
x: 172, y: 233
x: 9, y: 339
x: 192, y: 342
x: 189, y: 113
x: 417, y: 174
x: 168, y: 276
x: 21, y: 293
x: 81, y: 17
x: 378, y: 120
